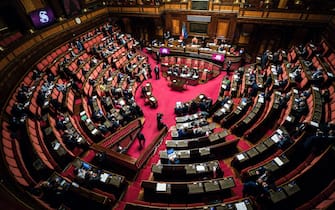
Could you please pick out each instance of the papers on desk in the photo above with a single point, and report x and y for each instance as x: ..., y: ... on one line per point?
x: 278, y: 161
x: 241, y: 206
x: 161, y: 187
x: 200, y: 168
x: 103, y: 177
x: 275, y: 138
x: 223, y: 110
x: 95, y: 131
x: 122, y: 102
x: 278, y: 93
x: 56, y: 146
x: 315, y: 88
x: 291, y: 75
x: 46, y: 103
x: 227, y: 106
x: 63, y: 182
x: 80, y: 139
x: 279, y: 131
x: 315, y: 124
x: 261, y: 99
x: 240, y: 156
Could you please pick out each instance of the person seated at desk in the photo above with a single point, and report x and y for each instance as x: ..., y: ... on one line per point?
x: 87, y: 175
x: 197, y: 131
x: 181, y: 108
x: 324, y: 136
x: 300, y: 106
x: 282, y: 83
x: 169, y: 71
x: 268, y: 81
x: 195, y: 41
x: 226, y: 84
x: 103, y: 128
x: 193, y: 107
x: 172, y: 157
x: 297, y: 74
x: 98, y: 116
x: 175, y: 71
x: 284, y: 141
x: 253, y: 89
x: 80, y: 172
x: 205, y: 104
x: 261, y: 186
x: 182, y: 132
x: 317, y: 76
x: 222, y: 49
x: 279, y: 71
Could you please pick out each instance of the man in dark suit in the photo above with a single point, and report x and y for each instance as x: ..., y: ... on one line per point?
x: 141, y: 140
x: 156, y: 71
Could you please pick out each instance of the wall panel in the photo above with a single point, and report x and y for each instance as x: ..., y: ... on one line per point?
x: 176, y: 26
x: 222, y: 28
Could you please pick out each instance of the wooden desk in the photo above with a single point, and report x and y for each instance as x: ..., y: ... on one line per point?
x: 277, y: 196
x: 181, y: 191
x: 291, y: 188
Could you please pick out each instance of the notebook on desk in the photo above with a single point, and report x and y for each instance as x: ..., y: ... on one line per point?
x: 278, y: 161
x: 240, y: 206
x: 161, y: 187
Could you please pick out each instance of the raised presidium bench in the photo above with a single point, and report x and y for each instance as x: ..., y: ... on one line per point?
x: 149, y: 99
x: 199, y: 154
x: 179, y: 172
x: 176, y: 192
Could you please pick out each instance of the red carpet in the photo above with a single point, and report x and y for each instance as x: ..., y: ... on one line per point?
x: 166, y: 102
x: 167, y: 99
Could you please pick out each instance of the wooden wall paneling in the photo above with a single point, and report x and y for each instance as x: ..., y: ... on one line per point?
x: 176, y: 27
x: 281, y: 15
x: 222, y: 28
x: 282, y: 4
x: 31, y: 5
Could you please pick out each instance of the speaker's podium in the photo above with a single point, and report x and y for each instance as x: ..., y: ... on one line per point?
x: 178, y: 84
